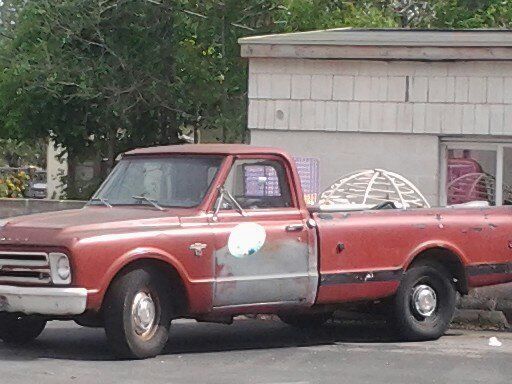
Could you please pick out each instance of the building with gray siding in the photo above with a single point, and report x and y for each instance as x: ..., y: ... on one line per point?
x: 433, y: 106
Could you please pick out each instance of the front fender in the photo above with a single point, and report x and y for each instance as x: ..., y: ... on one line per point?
x: 95, y: 299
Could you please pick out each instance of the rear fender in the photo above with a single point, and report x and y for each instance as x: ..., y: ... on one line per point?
x: 433, y: 244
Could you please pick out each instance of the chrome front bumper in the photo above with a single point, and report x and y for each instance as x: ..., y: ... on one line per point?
x: 50, y: 301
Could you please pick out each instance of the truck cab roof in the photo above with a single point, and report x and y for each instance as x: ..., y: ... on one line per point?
x: 208, y: 149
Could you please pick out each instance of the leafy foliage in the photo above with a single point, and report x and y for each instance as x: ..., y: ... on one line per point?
x: 300, y: 15
x: 459, y: 14
x: 101, y: 76
x: 17, y: 153
x: 13, y: 185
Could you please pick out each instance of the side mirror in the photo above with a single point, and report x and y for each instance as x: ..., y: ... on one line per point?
x: 224, y: 194
x: 220, y: 199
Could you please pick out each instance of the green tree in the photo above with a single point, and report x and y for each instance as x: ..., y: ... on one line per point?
x: 212, y: 76
x: 18, y: 154
x: 303, y: 15
x: 101, y: 76
x: 96, y: 76
x: 468, y: 14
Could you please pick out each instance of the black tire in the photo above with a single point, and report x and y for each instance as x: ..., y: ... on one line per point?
x: 305, y: 320
x: 18, y: 329
x: 408, y: 320
x: 126, y: 339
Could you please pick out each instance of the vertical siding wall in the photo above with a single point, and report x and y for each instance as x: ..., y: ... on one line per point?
x: 414, y: 156
x: 373, y: 96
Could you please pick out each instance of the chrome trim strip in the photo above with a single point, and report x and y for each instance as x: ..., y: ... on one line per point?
x: 21, y: 262
x: 264, y: 304
x: 25, y: 280
x: 361, y: 277
x: 31, y: 253
x: 301, y: 275
x: 489, y: 269
x: 8, y: 268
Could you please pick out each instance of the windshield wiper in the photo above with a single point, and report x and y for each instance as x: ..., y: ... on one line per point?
x: 152, y: 202
x: 101, y: 200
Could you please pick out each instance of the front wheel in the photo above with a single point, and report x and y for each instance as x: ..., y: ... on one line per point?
x: 425, y: 302
x: 138, y: 313
x: 19, y: 329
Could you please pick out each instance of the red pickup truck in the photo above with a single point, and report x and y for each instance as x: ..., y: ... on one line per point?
x: 209, y: 232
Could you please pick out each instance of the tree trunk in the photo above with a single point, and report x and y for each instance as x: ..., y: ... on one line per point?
x: 71, y: 187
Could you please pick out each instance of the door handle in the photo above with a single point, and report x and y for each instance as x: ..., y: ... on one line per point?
x: 294, y: 227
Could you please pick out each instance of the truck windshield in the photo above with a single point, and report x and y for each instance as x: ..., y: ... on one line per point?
x: 174, y: 181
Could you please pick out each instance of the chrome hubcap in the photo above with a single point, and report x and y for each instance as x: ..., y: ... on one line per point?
x: 143, y: 313
x: 424, y: 300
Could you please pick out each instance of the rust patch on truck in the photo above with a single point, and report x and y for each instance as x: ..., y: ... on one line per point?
x: 278, y: 272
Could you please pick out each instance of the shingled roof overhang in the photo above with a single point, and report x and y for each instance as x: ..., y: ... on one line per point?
x: 383, y: 44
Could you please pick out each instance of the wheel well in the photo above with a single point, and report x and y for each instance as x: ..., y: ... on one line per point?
x: 175, y: 281
x: 450, y: 261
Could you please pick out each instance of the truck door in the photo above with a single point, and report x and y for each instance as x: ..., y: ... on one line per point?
x: 264, y: 252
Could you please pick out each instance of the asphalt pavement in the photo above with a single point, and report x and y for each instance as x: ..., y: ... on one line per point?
x: 262, y: 352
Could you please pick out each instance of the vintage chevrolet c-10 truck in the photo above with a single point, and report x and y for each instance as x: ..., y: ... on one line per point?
x: 209, y: 232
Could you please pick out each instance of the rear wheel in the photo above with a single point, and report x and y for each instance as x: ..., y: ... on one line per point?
x: 19, y: 329
x: 425, y: 302
x: 305, y: 320
x: 138, y: 313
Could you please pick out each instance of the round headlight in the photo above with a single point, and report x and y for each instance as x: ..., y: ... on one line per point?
x: 63, y: 269
x: 60, y: 268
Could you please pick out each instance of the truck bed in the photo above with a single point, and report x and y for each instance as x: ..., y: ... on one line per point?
x: 364, y: 253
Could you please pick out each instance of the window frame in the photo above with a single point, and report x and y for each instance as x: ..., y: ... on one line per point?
x: 209, y: 191
x: 495, y: 146
x: 294, y: 203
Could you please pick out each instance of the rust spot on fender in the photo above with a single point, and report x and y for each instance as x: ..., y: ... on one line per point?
x: 477, y: 229
x: 325, y: 216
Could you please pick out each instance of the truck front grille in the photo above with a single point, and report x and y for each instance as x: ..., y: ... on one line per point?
x: 24, y: 268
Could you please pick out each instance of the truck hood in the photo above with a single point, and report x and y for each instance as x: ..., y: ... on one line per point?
x: 47, y: 228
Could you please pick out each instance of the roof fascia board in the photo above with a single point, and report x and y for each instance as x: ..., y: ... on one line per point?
x: 425, y: 53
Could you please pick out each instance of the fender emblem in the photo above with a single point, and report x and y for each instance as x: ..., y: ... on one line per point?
x: 197, y: 248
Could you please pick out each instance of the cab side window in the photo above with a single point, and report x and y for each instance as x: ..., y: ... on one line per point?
x: 258, y: 184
